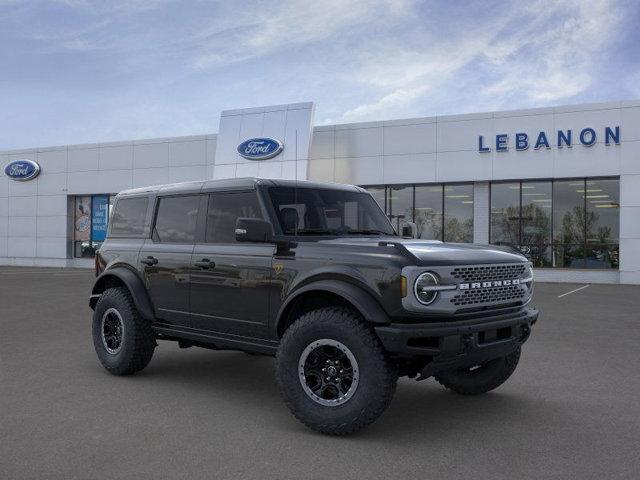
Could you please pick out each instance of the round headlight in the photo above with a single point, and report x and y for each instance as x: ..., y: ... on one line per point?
x: 422, y: 288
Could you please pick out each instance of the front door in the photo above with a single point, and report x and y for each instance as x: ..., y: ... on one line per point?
x: 230, y: 281
x: 166, y: 257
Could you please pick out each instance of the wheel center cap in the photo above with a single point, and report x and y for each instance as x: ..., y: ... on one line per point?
x: 331, y: 370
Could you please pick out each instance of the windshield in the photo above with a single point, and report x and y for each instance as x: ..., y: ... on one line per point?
x: 309, y: 211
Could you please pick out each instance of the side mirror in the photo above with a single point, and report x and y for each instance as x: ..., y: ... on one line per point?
x: 254, y: 230
x: 409, y: 229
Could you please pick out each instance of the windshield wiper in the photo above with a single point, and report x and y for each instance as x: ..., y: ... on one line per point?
x: 367, y: 232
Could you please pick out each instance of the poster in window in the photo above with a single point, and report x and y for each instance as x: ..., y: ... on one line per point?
x: 99, y: 217
x: 82, y: 229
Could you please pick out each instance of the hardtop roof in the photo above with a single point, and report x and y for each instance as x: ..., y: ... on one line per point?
x: 233, y: 184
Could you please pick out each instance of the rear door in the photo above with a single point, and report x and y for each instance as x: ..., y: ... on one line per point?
x: 166, y: 257
x: 230, y: 280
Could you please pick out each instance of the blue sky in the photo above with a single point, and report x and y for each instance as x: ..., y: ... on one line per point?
x: 77, y: 71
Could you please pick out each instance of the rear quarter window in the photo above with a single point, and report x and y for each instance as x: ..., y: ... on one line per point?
x: 129, y: 214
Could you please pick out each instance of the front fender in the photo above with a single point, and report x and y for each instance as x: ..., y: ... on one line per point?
x: 133, y: 283
x: 366, y: 304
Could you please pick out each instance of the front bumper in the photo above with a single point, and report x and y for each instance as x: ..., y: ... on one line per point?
x: 451, y: 345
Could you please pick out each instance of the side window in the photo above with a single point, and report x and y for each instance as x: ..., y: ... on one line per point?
x: 224, y: 209
x: 176, y: 219
x: 128, y: 217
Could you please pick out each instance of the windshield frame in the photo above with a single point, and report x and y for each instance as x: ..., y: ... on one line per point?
x: 323, y: 234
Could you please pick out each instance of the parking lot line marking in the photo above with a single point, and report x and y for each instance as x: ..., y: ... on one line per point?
x: 573, y: 291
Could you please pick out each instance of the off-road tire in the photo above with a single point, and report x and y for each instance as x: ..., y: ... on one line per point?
x: 377, y: 374
x: 482, y: 379
x: 138, y: 340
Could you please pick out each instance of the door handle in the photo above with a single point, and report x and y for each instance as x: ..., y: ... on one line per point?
x: 149, y: 260
x: 205, y: 264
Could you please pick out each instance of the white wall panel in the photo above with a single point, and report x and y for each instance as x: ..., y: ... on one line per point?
x: 22, y: 206
x: 144, y: 177
x: 463, y: 135
x: 187, y: 174
x: 83, y: 159
x: 630, y: 124
x: 360, y: 171
x: 51, y: 205
x: 630, y: 157
x: 21, y: 246
x: 463, y: 166
x: 322, y: 144
x: 247, y: 169
x: 151, y: 155
x: 117, y: 157
x: 51, y: 247
x: 52, y: 161
x: 187, y: 153
x: 322, y: 170
x: 52, y: 226
x: 22, y: 189
x: 359, y: 142
x: 52, y: 183
x: 420, y: 138
x: 269, y: 169
x: 4, y: 206
x: 106, y: 181
x: 406, y: 168
x: 22, y: 227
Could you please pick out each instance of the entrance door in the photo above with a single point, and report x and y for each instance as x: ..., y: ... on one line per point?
x: 166, y: 258
x: 230, y: 281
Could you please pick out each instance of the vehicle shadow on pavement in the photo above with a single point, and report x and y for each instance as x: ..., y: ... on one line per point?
x: 232, y: 380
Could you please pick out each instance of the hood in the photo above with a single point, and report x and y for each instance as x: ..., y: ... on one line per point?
x: 431, y: 252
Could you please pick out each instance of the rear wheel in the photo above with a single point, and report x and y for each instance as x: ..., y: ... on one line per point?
x: 480, y: 378
x: 333, y: 373
x: 122, y: 339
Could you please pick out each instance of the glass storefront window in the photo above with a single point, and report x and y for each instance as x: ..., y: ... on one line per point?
x: 458, y: 213
x: 535, y: 228
x: 400, y: 202
x: 91, y: 218
x: 440, y: 212
x: 564, y: 223
x: 505, y: 213
x: 428, y: 211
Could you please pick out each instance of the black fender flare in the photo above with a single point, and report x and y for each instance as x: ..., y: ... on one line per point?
x: 366, y: 304
x: 132, y: 281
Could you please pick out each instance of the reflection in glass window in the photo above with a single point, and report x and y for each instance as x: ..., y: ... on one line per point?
x: 458, y: 213
x: 505, y: 213
x: 603, y: 223
x: 400, y: 205
x: 536, y: 222
x: 569, y: 223
x: 428, y: 212
x: 176, y: 219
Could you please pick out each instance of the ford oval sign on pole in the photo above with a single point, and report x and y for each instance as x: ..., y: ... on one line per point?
x: 22, y: 170
x: 260, y: 148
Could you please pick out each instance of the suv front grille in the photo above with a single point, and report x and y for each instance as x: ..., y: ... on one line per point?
x: 489, y: 295
x: 489, y: 272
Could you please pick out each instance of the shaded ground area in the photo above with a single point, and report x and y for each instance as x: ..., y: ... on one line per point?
x: 571, y: 410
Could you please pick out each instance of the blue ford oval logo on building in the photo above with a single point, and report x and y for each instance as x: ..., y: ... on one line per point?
x: 260, y: 148
x: 22, y: 170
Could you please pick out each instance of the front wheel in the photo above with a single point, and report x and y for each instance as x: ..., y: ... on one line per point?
x: 480, y: 378
x: 333, y: 372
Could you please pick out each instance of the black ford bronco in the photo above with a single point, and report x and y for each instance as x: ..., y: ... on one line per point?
x: 316, y: 275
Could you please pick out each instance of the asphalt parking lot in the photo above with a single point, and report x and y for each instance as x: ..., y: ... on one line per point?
x: 571, y: 410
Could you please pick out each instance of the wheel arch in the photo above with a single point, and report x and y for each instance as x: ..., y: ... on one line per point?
x: 324, y: 293
x: 120, y: 276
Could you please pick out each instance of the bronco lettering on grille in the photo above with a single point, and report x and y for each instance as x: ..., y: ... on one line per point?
x: 493, y: 283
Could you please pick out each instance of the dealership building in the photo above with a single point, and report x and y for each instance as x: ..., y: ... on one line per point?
x: 562, y: 184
